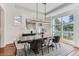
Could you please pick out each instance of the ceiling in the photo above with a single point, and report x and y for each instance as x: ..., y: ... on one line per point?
x: 50, y: 7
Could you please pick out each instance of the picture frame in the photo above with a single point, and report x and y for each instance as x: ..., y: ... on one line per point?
x: 18, y: 19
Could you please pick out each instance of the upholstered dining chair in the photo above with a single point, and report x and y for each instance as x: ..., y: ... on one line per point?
x: 56, y: 40
x: 48, y: 43
x: 23, y: 47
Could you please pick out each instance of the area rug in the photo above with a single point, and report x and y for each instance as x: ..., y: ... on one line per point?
x: 64, y: 50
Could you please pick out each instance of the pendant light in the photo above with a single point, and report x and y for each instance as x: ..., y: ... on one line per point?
x: 36, y: 11
x: 45, y: 11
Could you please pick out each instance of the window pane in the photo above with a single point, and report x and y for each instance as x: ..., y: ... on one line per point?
x: 67, y: 19
x: 57, y: 33
x: 68, y: 27
x: 57, y: 21
x: 56, y: 28
x: 68, y: 35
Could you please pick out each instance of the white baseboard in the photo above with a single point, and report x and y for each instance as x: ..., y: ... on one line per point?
x: 71, y: 43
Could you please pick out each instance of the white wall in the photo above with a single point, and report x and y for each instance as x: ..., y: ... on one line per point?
x: 2, y: 19
x: 76, y: 27
x: 12, y: 32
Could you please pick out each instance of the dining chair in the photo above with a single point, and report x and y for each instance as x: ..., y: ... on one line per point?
x: 19, y: 47
x: 48, y: 43
x: 27, y: 48
x: 34, y: 46
x: 56, y: 40
x: 45, y: 45
x: 23, y: 47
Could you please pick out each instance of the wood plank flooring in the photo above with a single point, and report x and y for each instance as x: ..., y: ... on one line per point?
x: 9, y: 50
x: 76, y: 52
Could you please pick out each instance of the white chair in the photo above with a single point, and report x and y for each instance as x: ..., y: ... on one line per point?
x: 45, y: 44
x: 48, y: 43
x: 27, y: 48
x: 21, y: 46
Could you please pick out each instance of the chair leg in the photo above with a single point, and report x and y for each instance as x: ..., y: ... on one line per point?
x: 52, y: 46
x: 35, y: 51
x: 19, y: 53
x: 59, y: 45
x: 16, y: 52
x: 29, y: 51
x: 25, y: 52
x: 56, y: 45
x: 48, y: 49
x: 42, y: 51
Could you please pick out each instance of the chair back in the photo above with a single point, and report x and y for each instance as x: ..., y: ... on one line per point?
x: 56, y: 39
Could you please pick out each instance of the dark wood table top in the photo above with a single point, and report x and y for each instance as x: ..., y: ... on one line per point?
x: 29, y: 41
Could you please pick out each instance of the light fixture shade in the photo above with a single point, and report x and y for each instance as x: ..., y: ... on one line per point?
x: 36, y: 11
x: 45, y: 10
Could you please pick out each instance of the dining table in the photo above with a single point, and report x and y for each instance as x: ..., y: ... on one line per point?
x: 35, y: 41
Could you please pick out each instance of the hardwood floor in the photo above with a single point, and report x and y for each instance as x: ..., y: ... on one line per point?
x: 9, y: 50
x: 76, y: 52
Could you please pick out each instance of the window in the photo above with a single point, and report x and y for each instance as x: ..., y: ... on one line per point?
x: 67, y: 27
x: 63, y: 25
x: 56, y: 26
